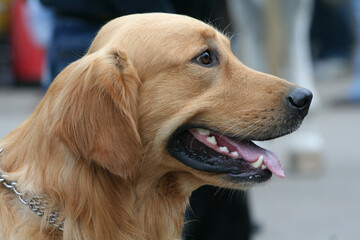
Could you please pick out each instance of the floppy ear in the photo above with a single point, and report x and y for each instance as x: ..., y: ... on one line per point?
x: 97, y: 100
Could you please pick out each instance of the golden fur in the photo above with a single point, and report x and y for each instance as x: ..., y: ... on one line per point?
x: 96, y: 143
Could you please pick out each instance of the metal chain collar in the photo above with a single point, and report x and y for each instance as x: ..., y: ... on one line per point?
x: 37, y: 203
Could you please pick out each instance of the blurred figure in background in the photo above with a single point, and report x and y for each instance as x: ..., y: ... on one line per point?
x: 354, y: 93
x: 40, y: 23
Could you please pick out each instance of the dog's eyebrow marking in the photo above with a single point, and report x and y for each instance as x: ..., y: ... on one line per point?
x: 208, y: 33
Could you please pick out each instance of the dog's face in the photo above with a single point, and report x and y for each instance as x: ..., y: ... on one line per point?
x: 198, y: 107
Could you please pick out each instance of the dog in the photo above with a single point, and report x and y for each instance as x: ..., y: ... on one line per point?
x: 157, y: 107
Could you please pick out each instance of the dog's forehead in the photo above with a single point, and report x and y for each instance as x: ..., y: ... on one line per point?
x: 181, y: 26
x: 155, y: 27
x: 172, y: 22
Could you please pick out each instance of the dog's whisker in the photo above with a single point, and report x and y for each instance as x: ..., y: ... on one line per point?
x: 250, y: 110
x: 265, y: 130
x: 241, y: 195
x: 233, y: 126
x: 225, y: 29
x: 219, y: 193
x: 232, y: 194
x: 233, y: 35
x: 249, y: 133
x: 244, y: 129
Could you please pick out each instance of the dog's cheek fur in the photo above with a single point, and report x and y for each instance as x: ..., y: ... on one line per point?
x: 100, y: 115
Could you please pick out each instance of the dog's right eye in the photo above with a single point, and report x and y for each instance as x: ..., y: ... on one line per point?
x: 206, y: 59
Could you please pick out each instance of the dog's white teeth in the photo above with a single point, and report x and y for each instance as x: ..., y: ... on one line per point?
x: 235, y: 154
x: 263, y: 167
x: 211, y: 140
x: 202, y: 131
x: 224, y: 149
x: 258, y: 162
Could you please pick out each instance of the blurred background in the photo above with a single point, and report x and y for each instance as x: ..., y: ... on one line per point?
x: 314, y: 43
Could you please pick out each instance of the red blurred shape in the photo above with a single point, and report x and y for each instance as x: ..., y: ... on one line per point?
x: 27, y: 56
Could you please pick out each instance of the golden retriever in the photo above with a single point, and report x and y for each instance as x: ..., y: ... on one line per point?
x: 158, y: 107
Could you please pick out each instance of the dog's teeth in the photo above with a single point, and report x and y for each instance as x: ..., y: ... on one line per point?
x: 258, y: 162
x: 224, y: 149
x: 263, y: 167
x: 235, y: 154
x: 211, y: 140
x: 202, y: 131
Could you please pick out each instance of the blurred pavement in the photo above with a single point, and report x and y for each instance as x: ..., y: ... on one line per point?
x: 322, y: 207
x: 16, y: 104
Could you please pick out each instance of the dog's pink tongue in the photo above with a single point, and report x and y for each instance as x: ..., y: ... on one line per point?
x: 251, y: 152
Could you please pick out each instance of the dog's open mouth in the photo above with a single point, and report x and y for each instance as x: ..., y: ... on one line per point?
x: 209, y: 151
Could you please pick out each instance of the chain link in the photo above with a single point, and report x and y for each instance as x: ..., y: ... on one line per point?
x: 37, y: 203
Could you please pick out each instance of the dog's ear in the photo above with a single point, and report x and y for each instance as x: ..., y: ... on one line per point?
x: 97, y: 99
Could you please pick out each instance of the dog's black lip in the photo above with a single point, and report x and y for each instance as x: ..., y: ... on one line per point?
x: 236, y: 170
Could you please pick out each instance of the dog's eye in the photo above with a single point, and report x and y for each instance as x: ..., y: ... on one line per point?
x: 205, y: 59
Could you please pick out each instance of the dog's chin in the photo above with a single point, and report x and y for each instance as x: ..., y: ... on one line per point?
x: 237, y: 160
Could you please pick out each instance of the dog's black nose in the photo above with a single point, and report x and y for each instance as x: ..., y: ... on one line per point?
x: 299, y: 99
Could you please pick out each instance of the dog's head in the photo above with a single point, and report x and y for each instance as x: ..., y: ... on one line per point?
x: 168, y: 89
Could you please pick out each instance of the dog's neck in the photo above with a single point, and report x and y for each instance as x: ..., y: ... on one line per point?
x: 161, y: 204
x: 94, y: 202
